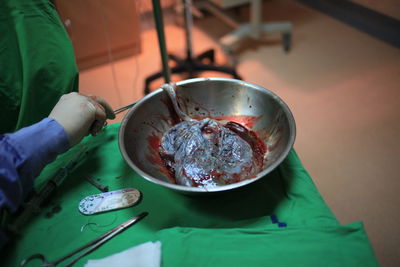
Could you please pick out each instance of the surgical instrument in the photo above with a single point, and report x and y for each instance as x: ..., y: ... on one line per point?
x: 93, y: 245
x: 117, y: 111
x: 34, y: 204
x: 102, y: 188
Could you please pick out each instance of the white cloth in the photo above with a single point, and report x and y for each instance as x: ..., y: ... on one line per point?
x: 145, y: 255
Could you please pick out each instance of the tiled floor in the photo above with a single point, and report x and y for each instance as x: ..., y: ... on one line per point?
x: 343, y: 87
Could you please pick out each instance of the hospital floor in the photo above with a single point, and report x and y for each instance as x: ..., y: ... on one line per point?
x: 343, y: 87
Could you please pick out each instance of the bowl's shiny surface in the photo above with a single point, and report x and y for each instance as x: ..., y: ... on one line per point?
x: 263, y: 112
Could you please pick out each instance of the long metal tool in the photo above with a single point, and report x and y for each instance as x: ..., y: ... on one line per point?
x: 117, y: 111
x: 102, y: 188
x: 158, y: 17
x: 33, y: 205
x: 93, y: 245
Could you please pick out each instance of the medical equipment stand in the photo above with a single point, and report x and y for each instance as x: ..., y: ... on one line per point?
x: 255, y: 29
x: 191, y: 65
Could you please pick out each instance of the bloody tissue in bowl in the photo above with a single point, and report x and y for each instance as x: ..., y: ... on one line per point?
x: 208, y: 153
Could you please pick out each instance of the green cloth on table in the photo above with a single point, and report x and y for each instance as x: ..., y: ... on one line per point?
x: 294, y: 246
x: 37, y: 63
x: 188, y: 226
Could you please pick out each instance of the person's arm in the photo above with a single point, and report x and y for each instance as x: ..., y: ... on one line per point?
x: 25, y: 153
x: 22, y: 156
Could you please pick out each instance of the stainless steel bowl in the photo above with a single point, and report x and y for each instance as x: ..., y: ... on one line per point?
x: 263, y: 111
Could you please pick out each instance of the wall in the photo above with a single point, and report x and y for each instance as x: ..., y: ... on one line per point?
x: 101, y: 31
x: 389, y: 8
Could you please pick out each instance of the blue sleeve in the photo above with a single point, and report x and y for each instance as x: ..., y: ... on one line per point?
x: 23, y: 155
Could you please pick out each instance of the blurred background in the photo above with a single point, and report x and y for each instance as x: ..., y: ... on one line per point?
x: 338, y: 70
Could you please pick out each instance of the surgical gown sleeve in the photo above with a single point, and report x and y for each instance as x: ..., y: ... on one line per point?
x: 23, y: 155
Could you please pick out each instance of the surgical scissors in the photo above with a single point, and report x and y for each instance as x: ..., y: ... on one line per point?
x: 93, y: 244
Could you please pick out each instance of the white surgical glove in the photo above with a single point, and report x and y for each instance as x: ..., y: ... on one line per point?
x: 81, y: 115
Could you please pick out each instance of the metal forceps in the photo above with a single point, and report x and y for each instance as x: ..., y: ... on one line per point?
x: 124, y: 108
x: 93, y: 245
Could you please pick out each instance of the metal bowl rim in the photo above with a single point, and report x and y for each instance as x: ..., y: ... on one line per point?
x: 183, y: 188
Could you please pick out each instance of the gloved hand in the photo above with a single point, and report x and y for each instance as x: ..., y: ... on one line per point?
x: 81, y: 115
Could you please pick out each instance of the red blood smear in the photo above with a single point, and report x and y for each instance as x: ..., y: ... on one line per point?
x: 153, y: 143
x: 184, y: 172
x: 174, y: 117
x: 213, y: 174
x: 248, y: 121
x: 236, y: 178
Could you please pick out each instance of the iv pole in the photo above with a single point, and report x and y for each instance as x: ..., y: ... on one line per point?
x: 190, y: 65
x: 161, y: 40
